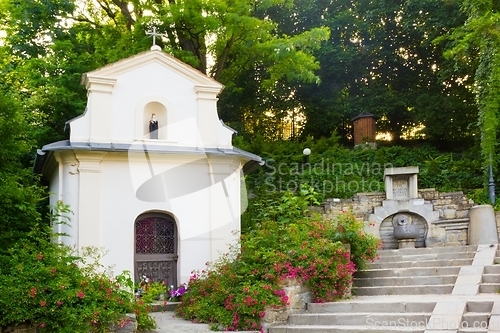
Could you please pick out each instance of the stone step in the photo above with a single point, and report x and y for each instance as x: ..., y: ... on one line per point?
x: 413, y: 271
x: 425, y: 256
x: 495, y: 269
x: 491, y: 278
x: 475, y: 320
x: 405, y: 281
x: 164, y: 306
x: 427, y: 250
x: 440, y: 289
x: 351, y: 306
x: 489, y: 288
x: 341, y: 329
x: 426, y: 263
x: 479, y: 306
x: 360, y: 319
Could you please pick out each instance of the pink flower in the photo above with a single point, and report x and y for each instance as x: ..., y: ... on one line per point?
x: 59, y: 303
x: 43, y: 303
x: 40, y: 256
x: 80, y: 294
x: 42, y: 325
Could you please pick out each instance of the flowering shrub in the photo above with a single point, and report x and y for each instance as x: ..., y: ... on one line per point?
x: 363, y: 246
x: 233, y: 293
x: 176, y: 294
x: 48, y: 285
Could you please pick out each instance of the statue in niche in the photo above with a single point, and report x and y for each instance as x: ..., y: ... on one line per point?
x: 153, y: 127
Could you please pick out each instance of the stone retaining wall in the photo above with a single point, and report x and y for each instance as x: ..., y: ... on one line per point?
x: 298, y: 297
x: 449, y: 229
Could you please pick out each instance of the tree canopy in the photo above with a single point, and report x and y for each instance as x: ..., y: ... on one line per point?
x: 53, y: 42
x: 292, y: 69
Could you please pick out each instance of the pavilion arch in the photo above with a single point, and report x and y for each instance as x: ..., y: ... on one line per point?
x: 156, y: 244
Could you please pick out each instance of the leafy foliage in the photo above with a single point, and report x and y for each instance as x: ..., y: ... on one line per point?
x: 234, y: 293
x: 50, y: 286
x: 19, y: 193
x: 478, y: 38
x: 334, y: 171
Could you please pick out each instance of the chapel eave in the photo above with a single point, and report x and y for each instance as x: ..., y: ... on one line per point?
x: 250, y: 161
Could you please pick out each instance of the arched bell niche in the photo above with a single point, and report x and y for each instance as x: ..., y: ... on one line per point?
x: 387, y: 230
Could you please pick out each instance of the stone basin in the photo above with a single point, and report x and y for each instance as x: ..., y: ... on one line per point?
x: 409, y: 231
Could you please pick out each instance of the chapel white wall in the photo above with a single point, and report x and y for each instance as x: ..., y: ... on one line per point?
x: 107, y: 206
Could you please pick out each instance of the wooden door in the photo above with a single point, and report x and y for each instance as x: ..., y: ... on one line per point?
x: 156, y: 248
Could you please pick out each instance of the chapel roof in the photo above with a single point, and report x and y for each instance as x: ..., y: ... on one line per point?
x: 124, y: 65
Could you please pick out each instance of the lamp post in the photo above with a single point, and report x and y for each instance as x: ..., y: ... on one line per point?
x: 491, y: 185
x: 306, y: 153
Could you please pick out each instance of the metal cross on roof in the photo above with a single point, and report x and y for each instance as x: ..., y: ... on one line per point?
x: 154, y: 34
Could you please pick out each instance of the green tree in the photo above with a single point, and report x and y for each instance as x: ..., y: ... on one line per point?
x: 19, y: 194
x: 480, y: 37
x: 381, y: 58
x: 64, y: 38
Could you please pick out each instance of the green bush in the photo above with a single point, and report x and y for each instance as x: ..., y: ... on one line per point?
x: 49, y: 286
x: 233, y: 293
x: 362, y: 246
x: 335, y: 171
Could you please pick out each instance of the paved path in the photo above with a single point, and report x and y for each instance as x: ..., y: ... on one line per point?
x: 168, y: 323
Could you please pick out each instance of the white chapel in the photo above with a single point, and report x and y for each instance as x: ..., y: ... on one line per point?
x: 149, y: 170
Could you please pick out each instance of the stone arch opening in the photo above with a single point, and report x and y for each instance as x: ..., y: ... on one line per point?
x: 386, y: 230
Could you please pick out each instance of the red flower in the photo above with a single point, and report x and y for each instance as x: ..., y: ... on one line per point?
x: 40, y: 256
x: 33, y: 292
x: 42, y: 325
x: 43, y: 303
x: 80, y: 294
x: 59, y: 303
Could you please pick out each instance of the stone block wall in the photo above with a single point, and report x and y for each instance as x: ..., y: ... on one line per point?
x: 450, y: 205
x: 298, y: 297
x: 362, y: 205
x: 449, y: 229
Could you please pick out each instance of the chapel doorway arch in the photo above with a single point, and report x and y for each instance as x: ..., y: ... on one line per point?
x: 156, y: 248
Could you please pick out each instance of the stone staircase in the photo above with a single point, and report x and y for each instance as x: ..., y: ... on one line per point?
x: 490, y: 282
x: 424, y: 290
x: 414, y: 271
